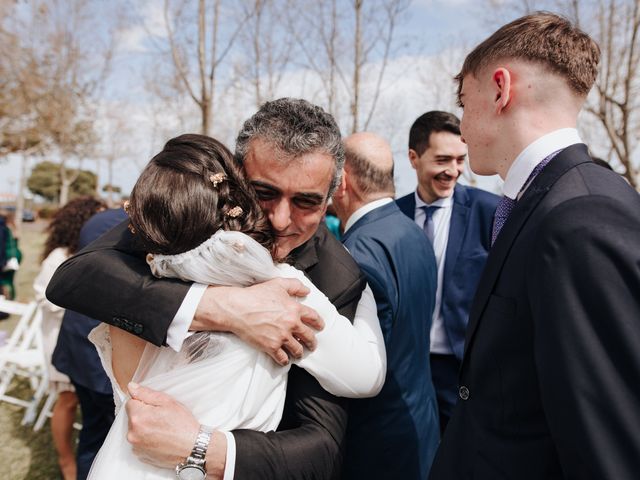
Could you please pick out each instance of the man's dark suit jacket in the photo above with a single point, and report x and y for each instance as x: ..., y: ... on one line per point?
x: 550, y: 380
x: 467, y: 249
x: 309, y: 443
x: 74, y: 354
x: 396, y: 434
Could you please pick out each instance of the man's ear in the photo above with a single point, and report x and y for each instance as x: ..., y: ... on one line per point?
x: 413, y: 158
x: 502, y: 88
x: 342, y: 187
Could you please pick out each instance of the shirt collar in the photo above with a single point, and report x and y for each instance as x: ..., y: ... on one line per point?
x: 533, y: 154
x: 362, y: 211
x: 441, y: 202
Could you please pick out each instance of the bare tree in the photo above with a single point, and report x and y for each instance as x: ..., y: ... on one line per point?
x: 75, y: 69
x: 266, y: 47
x: 374, y: 31
x: 20, y: 88
x: 52, y: 65
x: 342, y: 61
x: 112, y: 147
x: 316, y: 30
x: 615, y: 101
x: 617, y: 106
x: 197, y: 54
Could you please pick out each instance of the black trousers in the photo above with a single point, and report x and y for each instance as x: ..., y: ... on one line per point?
x: 444, y: 373
x: 97, y: 417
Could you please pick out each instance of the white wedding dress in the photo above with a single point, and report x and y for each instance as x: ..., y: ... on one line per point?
x: 224, y: 382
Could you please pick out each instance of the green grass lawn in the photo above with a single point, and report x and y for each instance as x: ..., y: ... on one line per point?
x: 25, y: 454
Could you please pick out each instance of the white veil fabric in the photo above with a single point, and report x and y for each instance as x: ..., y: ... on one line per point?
x: 227, y: 258
x: 224, y: 382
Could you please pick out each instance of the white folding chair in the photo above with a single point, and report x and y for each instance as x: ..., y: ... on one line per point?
x: 23, y: 355
x: 47, y: 410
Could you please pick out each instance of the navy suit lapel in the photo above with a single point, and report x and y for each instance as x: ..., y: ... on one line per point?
x: 457, y: 229
x: 372, y: 216
x: 407, y: 205
x: 348, y: 233
x: 567, y: 159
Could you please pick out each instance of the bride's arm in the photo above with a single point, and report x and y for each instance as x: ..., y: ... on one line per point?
x: 126, y: 353
x: 350, y: 360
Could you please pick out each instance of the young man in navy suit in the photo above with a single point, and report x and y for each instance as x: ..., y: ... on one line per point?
x: 457, y: 220
x: 395, y: 434
x: 550, y: 379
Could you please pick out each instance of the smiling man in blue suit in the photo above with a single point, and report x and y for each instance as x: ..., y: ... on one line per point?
x: 395, y: 434
x: 457, y: 220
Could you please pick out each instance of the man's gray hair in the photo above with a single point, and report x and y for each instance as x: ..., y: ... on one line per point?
x: 295, y: 127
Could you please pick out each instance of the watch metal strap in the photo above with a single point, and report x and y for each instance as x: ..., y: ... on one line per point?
x: 202, y: 443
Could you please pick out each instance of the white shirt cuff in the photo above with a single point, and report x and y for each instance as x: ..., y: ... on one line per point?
x: 230, y: 466
x: 179, y: 328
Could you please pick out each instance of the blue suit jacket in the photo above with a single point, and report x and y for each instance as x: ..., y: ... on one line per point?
x: 467, y: 250
x: 74, y: 354
x: 395, y: 434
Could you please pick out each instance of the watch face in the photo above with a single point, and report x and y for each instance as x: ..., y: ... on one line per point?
x: 191, y: 472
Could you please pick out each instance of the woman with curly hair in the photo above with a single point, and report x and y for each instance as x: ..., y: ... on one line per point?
x: 61, y: 243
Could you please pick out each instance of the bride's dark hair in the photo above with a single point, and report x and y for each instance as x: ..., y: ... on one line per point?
x: 190, y: 190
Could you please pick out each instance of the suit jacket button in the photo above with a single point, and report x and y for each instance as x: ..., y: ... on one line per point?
x: 137, y: 329
x: 463, y: 392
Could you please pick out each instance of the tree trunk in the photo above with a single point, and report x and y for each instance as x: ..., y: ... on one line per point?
x: 355, y: 107
x: 22, y: 185
x: 110, y: 183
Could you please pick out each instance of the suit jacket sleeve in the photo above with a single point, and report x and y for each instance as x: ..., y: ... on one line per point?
x: 309, y: 443
x: 584, y: 294
x: 372, y: 259
x: 110, y: 281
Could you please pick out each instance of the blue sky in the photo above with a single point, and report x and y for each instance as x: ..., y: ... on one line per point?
x: 416, y: 82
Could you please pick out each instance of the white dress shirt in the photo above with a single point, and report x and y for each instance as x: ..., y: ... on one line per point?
x: 362, y: 211
x: 441, y: 223
x: 532, y: 155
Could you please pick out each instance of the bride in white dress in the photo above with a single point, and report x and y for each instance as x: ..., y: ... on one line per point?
x: 225, y: 383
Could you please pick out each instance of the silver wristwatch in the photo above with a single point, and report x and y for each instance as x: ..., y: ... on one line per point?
x: 194, y: 467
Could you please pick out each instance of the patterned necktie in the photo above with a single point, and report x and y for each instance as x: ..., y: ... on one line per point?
x: 428, y: 222
x: 506, y: 204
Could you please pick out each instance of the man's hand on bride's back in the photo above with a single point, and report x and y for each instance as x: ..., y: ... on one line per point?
x: 266, y: 315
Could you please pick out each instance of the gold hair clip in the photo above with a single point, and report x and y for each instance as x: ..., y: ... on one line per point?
x: 234, y: 212
x: 217, y: 178
x: 238, y: 246
x: 126, y: 206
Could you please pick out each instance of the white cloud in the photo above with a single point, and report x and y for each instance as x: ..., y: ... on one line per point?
x: 134, y: 38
